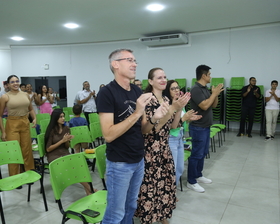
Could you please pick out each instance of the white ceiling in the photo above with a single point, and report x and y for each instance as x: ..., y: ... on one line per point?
x: 41, y: 21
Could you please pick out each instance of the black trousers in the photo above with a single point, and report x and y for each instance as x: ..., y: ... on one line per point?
x: 250, y: 111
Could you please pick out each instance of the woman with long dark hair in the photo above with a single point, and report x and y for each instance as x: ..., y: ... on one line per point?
x: 176, y: 134
x: 19, y: 106
x: 57, y: 139
x: 45, y: 100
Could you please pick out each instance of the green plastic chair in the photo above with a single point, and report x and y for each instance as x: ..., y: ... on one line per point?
x: 44, y: 125
x: 43, y: 116
x: 96, y: 133
x: 10, y: 153
x: 66, y: 171
x: 82, y: 135
x: 182, y: 83
x: 222, y: 127
x: 66, y: 116
x: 237, y: 82
x: 100, y: 153
x: 145, y: 83
x: 93, y: 117
x: 42, y: 152
x: 216, y: 81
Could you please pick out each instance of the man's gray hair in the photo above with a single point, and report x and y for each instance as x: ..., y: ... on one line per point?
x: 115, y: 55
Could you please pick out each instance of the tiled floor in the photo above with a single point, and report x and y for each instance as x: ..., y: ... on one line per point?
x: 245, y: 189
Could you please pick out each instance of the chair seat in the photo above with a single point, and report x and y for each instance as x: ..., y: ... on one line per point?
x: 96, y: 202
x: 89, y: 155
x: 12, y: 182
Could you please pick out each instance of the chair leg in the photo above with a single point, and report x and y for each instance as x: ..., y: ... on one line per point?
x: 93, y: 164
x: 29, y: 190
x: 2, y: 212
x: 104, y: 184
x: 43, y: 194
x: 181, y: 185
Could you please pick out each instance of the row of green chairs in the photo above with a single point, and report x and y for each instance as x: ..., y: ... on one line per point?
x: 10, y: 153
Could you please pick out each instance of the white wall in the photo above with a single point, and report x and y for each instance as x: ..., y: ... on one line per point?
x: 251, y: 51
x: 5, y: 65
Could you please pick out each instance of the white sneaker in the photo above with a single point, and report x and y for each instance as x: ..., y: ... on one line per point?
x: 203, y: 180
x: 195, y: 187
x: 34, y: 142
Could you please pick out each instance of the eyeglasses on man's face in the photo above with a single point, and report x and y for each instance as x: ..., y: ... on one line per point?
x: 131, y: 60
x: 175, y: 88
x: 12, y: 82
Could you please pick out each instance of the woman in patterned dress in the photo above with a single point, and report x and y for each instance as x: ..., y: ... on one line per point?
x: 157, y: 197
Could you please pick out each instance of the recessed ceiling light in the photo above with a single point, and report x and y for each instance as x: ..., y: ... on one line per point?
x: 17, y: 38
x: 155, y: 7
x: 71, y: 25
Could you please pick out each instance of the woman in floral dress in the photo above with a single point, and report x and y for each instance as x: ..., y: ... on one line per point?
x: 157, y: 197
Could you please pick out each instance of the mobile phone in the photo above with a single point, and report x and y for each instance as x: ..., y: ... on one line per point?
x: 91, y: 213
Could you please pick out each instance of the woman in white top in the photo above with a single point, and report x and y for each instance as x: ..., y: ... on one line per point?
x: 45, y: 100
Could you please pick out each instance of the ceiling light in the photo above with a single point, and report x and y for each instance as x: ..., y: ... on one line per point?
x: 17, y: 38
x: 155, y: 7
x: 71, y: 25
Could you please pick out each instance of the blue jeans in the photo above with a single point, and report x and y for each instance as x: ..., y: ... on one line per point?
x: 200, y: 147
x: 176, y: 145
x: 123, y: 185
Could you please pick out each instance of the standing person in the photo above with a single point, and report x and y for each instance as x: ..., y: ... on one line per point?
x: 6, y: 89
x: 157, y: 197
x: 55, y: 97
x: 45, y: 100
x: 272, y: 98
x: 202, y: 101
x: 87, y: 99
x: 121, y: 108
x: 138, y: 83
x: 78, y: 121
x: 250, y: 94
x: 17, y: 127
x: 22, y: 87
x: 176, y: 142
x: 33, y: 97
x: 57, y: 140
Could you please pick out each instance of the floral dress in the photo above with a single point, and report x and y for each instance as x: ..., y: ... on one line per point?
x: 157, y: 197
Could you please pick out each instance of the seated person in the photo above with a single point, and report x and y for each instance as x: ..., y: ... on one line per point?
x: 78, y: 121
x: 57, y: 139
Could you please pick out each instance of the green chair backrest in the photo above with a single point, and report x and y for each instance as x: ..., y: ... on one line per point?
x: 100, y: 153
x: 261, y: 89
x: 237, y: 82
x: 43, y: 125
x: 93, y: 117
x: 66, y: 115
x: 81, y: 135
x: 10, y: 152
x: 193, y: 81
x: 68, y: 170
x: 69, y: 110
x: 182, y: 83
x: 43, y: 116
x: 145, y: 83
x: 95, y: 131
x: 216, y: 81
x: 41, y: 144
x: 33, y: 132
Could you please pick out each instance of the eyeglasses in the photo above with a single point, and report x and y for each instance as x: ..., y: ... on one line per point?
x: 175, y: 88
x: 12, y: 82
x: 131, y: 60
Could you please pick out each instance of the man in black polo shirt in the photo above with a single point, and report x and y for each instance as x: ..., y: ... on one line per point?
x: 202, y: 101
x: 250, y: 94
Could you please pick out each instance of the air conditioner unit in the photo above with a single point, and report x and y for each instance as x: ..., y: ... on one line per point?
x: 165, y: 40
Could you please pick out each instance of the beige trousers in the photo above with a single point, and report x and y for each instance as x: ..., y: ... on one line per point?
x: 17, y: 128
